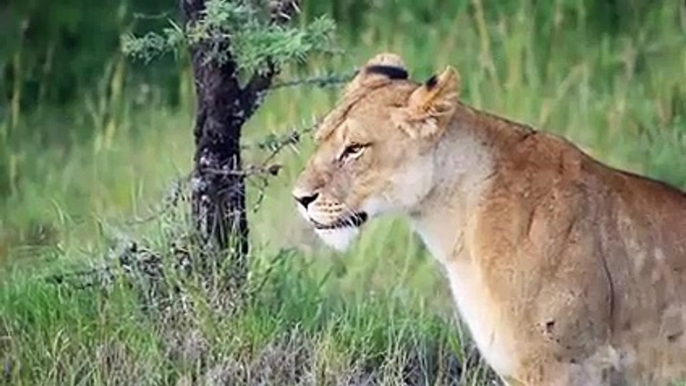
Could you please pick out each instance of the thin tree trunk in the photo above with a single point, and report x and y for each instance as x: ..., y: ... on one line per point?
x: 218, y: 186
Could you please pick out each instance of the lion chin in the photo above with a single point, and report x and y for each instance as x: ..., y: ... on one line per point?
x: 339, y: 239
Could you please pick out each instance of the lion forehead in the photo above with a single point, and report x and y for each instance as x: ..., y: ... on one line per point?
x: 365, y: 103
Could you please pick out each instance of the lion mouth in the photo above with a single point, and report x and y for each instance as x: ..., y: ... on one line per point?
x: 354, y: 220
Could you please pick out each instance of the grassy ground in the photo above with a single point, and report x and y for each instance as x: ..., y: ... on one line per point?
x: 379, y: 313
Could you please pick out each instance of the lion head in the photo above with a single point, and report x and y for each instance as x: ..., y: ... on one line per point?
x: 374, y: 148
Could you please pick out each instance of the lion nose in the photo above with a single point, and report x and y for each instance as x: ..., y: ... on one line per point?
x: 306, y: 200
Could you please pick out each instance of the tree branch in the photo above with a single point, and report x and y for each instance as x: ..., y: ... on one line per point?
x: 256, y: 89
x: 281, y: 11
x: 318, y: 81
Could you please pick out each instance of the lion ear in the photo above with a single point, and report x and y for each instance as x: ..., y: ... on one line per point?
x: 432, y: 104
x: 380, y: 68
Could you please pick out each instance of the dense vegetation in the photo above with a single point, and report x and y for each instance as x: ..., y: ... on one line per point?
x: 91, y: 141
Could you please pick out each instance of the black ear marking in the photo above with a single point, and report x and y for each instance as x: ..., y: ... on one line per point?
x: 431, y: 82
x: 392, y: 72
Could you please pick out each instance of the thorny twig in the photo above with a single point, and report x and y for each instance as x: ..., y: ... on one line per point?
x: 319, y: 81
x: 276, y: 145
x: 157, y: 16
x: 265, y: 169
x: 248, y: 171
x: 87, y: 278
x: 129, y: 258
x: 261, y: 171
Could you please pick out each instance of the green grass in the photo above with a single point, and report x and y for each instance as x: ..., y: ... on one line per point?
x: 380, y: 311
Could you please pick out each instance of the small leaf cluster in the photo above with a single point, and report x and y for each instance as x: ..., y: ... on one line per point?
x: 236, y: 30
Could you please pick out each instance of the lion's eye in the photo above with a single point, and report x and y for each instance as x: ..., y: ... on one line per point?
x: 352, y: 151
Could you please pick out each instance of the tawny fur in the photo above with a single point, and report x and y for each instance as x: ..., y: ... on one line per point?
x: 565, y: 270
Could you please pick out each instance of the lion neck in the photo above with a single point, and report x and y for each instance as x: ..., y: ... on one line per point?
x: 464, y: 161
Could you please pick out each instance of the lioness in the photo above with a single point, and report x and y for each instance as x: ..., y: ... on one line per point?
x: 566, y: 271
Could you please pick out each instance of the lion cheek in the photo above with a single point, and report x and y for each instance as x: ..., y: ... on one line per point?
x: 412, y: 183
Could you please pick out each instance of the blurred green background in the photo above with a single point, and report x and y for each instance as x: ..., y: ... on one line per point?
x: 609, y: 74
x: 90, y: 142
